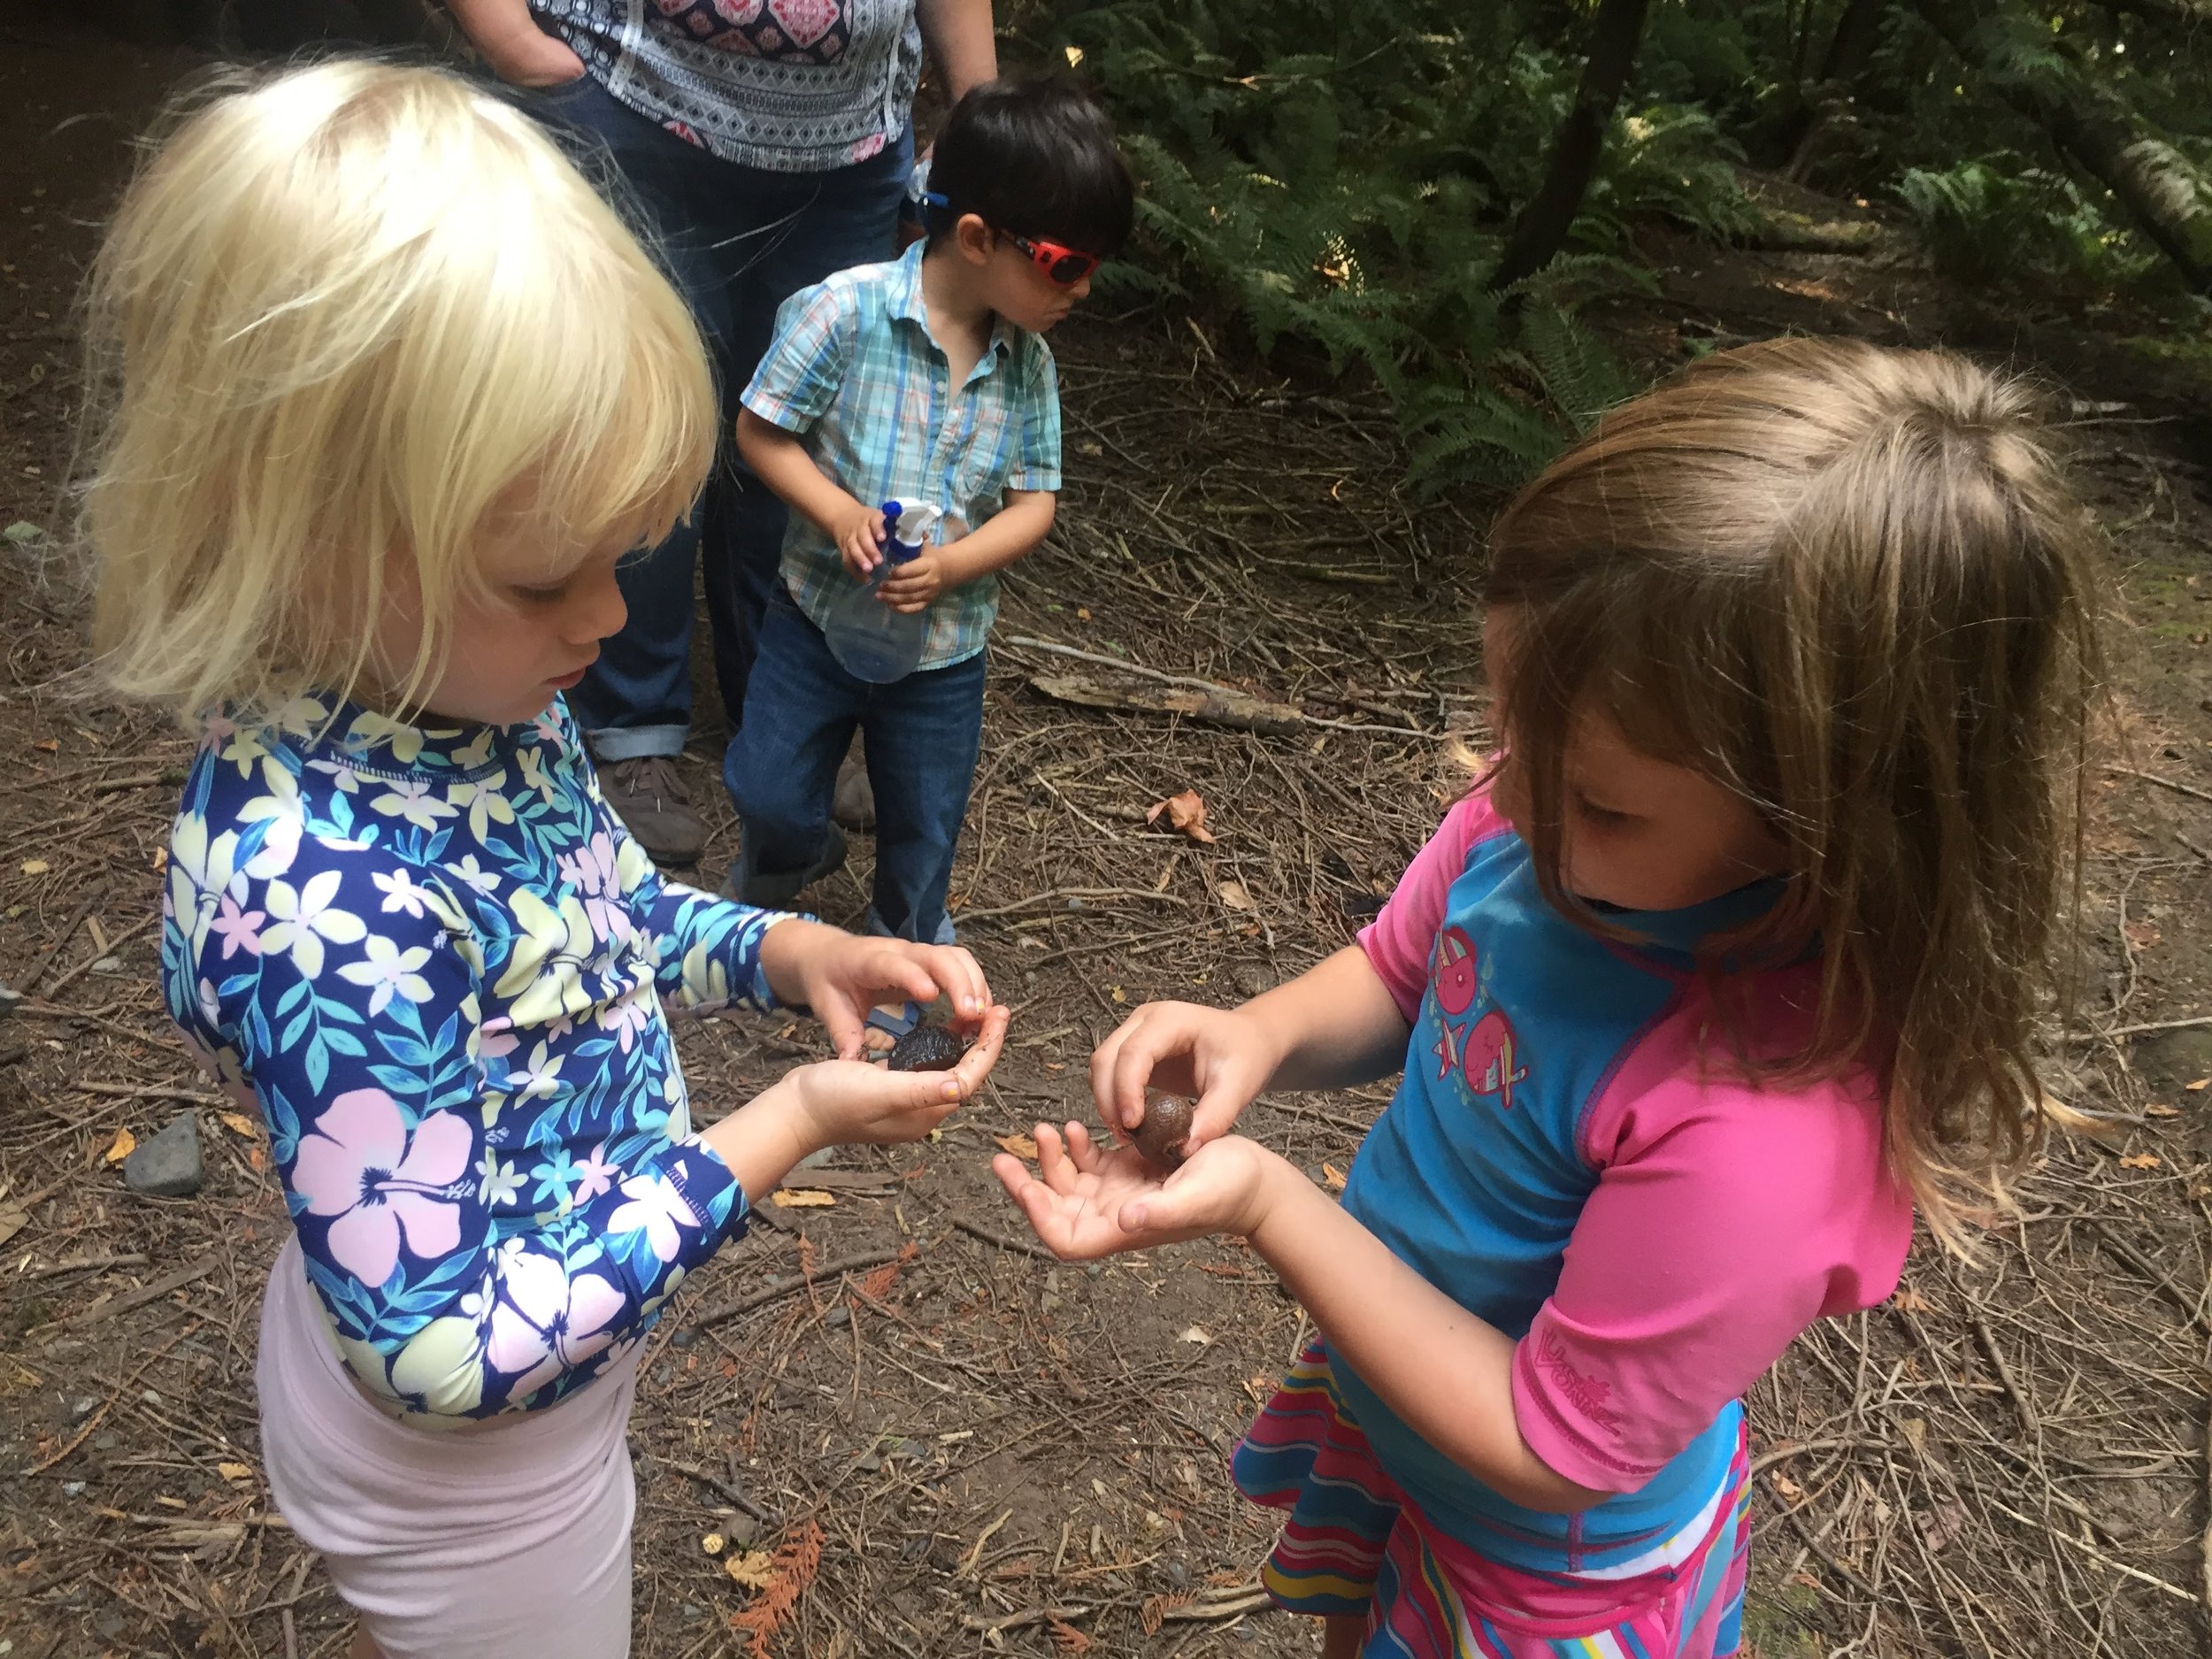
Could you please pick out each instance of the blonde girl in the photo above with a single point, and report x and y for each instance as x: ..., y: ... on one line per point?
x: 1728, y: 959
x: 390, y: 392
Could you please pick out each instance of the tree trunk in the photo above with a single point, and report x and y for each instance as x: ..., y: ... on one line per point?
x: 1542, y: 229
x: 1851, y: 48
x: 2162, y: 191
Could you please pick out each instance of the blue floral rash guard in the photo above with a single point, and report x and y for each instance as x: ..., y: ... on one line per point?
x: 440, y: 968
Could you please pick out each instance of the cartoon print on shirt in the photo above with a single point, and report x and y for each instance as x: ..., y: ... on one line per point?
x: 1487, y: 1051
x: 1490, y: 1055
x: 1453, y: 966
x: 1446, y: 1050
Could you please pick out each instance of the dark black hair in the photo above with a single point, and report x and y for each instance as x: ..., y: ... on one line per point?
x: 1033, y: 158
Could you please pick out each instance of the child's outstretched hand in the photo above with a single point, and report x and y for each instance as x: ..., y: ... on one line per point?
x: 1086, y: 1202
x: 850, y: 1102
x: 840, y: 976
x: 1220, y: 1057
x: 845, y: 1102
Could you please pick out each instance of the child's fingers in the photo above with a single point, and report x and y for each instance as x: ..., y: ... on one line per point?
x: 925, y: 972
x: 983, y: 1053
x: 1055, y: 1170
x: 1141, y: 1051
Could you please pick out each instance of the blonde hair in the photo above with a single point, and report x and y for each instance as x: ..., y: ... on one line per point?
x: 1850, y: 584
x: 352, y: 314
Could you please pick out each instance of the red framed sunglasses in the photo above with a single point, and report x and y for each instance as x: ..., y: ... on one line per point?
x: 1065, y: 267
x: 1062, y: 266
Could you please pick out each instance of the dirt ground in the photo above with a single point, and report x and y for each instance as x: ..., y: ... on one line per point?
x: 952, y: 1444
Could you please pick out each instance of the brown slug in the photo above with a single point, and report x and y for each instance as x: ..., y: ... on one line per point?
x: 928, y: 1048
x: 1166, y: 1126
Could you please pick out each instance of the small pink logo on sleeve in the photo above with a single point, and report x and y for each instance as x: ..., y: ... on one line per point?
x: 1587, y: 1395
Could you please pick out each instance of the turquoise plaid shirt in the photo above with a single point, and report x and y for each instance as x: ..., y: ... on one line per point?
x: 855, y: 373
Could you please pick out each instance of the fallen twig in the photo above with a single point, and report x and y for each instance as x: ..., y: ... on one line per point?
x: 975, y: 1231
x: 129, y: 1300
x: 1227, y: 705
x: 776, y: 1289
x: 2175, y: 785
x: 730, y: 1492
x: 2172, y: 1291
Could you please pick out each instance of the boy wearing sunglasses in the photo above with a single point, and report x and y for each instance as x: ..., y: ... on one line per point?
x: 926, y: 380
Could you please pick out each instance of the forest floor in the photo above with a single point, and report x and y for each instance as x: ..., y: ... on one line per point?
x: 958, y: 1445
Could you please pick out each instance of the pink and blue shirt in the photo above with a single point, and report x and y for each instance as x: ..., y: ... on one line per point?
x: 441, y: 969
x: 1574, y: 1156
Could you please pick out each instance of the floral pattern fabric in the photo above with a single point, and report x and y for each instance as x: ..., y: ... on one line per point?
x: 441, y: 969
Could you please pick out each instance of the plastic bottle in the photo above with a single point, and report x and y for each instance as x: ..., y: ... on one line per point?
x: 869, y: 639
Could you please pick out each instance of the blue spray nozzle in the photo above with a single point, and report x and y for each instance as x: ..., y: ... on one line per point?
x: 909, y: 526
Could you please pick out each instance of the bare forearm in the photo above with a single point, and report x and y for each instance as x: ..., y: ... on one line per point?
x: 783, y: 464
x: 1448, y: 1373
x: 1336, y: 1025
x: 763, y: 1140
x: 1011, y: 533
x: 492, y: 25
x: 959, y: 37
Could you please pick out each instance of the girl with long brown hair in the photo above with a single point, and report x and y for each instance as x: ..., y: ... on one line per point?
x: 1729, y: 958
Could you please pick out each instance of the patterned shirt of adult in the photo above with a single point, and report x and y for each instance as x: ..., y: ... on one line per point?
x: 788, y: 85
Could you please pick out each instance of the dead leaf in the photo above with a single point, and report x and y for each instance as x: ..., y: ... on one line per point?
x: 35, y: 866
x: 161, y: 859
x: 13, y: 1219
x: 1791, y: 1491
x: 2140, y: 1161
x: 1232, y: 894
x: 235, y: 1472
x: 2143, y: 935
x: 47, y: 746
x: 1198, y: 1334
x: 712, y: 1543
x: 125, y: 1143
x: 1021, y: 1146
x: 753, y: 1569
x: 1186, y: 812
x: 1910, y: 1300
x: 1945, y: 1524
x: 1332, y: 1178
x: 800, y: 1198
x: 2199, y: 1086
x: 241, y: 1126
x: 1082, y: 614
x: 2161, y: 1112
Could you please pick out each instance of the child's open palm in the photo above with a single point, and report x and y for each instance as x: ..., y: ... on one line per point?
x: 1085, y: 1200
x: 851, y: 1102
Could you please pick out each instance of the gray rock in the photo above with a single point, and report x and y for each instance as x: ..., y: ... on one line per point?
x: 168, y: 1165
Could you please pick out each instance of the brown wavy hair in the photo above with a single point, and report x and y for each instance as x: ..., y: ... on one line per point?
x: 1851, y: 584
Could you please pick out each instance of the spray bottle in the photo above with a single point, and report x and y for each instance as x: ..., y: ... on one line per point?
x: 870, y: 640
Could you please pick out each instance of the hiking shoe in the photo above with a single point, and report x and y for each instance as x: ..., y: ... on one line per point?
x: 854, y: 805
x: 774, y: 890
x: 649, y: 795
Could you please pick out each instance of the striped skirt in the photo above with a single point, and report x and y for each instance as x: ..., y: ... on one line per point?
x: 1355, y: 1545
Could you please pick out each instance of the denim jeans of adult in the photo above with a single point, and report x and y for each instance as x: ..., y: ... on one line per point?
x: 923, y: 735
x: 738, y: 240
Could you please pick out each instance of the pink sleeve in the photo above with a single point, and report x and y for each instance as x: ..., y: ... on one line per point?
x: 1726, y: 1219
x: 1399, y: 938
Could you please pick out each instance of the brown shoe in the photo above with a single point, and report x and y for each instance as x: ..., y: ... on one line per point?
x: 649, y: 795
x: 854, y: 805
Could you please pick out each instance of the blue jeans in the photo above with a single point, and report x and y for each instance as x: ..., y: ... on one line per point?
x: 739, y: 242
x: 923, y: 735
